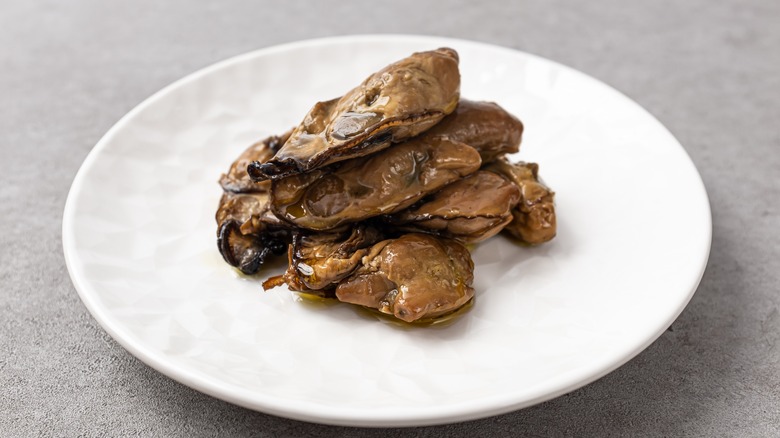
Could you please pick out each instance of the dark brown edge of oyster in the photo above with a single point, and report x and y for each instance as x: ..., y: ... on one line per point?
x: 267, y: 245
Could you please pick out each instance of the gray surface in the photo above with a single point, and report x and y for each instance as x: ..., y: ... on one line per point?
x: 710, y: 71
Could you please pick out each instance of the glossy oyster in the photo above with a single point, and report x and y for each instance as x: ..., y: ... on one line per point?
x: 470, y: 210
x: 534, y: 219
x: 248, y: 232
x: 393, y: 104
x: 382, y: 183
x: 237, y: 179
x: 317, y: 262
x: 485, y: 126
x: 412, y: 277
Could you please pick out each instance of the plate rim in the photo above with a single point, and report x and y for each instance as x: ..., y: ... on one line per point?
x: 300, y: 410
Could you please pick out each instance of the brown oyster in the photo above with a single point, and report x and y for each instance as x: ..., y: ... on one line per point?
x: 469, y: 210
x: 412, y: 277
x: 382, y: 183
x: 393, y: 104
x: 534, y: 219
x: 485, y: 126
x: 317, y: 262
x: 237, y: 179
x: 248, y: 232
x: 374, y: 194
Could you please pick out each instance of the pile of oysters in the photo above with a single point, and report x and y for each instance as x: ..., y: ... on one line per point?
x: 374, y: 195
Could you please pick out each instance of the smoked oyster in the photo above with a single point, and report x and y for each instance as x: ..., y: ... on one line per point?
x: 237, y: 179
x: 317, y: 262
x: 412, y: 277
x: 398, y: 102
x: 469, y: 210
x: 382, y: 183
x: 534, y: 219
x: 374, y: 195
x: 485, y: 126
x: 248, y: 232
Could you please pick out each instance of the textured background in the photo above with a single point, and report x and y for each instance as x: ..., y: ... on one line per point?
x: 710, y: 71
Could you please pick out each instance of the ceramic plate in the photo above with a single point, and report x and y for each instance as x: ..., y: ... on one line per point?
x: 633, y: 241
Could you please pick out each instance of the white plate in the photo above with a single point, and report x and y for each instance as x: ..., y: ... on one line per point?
x: 633, y: 241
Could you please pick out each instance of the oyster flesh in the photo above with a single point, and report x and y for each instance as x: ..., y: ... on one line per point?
x: 534, y: 219
x: 398, y: 102
x: 382, y: 183
x: 248, y: 232
x: 412, y: 277
x: 317, y: 262
x: 237, y: 179
x: 485, y: 126
x: 469, y: 210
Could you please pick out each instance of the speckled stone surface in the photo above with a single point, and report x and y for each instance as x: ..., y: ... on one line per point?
x: 709, y: 71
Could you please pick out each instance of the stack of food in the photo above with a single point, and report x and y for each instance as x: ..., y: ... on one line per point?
x: 373, y: 196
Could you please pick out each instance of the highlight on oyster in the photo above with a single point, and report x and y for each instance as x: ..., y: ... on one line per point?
x: 373, y: 197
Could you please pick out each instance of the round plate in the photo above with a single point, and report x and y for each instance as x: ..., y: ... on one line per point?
x: 140, y: 243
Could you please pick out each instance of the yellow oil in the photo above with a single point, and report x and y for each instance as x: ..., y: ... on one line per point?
x: 315, y: 301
